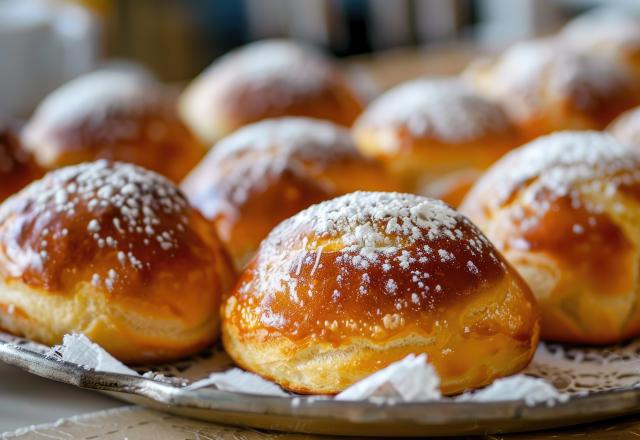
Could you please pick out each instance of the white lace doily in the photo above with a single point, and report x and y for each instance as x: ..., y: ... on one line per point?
x: 571, y: 370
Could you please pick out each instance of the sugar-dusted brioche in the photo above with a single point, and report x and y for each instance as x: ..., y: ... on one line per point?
x: 270, y: 170
x: 565, y: 211
x: 267, y: 79
x: 436, y: 135
x: 114, y: 115
x: 348, y: 286
x: 546, y: 86
x: 115, y: 252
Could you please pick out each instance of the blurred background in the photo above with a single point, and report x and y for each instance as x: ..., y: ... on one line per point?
x: 44, y: 43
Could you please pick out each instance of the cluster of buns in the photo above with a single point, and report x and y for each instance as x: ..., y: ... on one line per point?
x: 287, y: 237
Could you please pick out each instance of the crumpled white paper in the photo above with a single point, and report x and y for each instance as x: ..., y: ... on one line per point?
x: 411, y: 379
x: 238, y: 380
x: 532, y: 390
x: 78, y: 349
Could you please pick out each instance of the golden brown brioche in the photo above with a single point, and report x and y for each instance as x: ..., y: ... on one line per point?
x: 348, y: 286
x: 607, y: 32
x: 115, y: 252
x: 270, y: 170
x: 267, y: 79
x: 437, y: 135
x: 545, y: 87
x: 114, y: 115
x: 17, y: 168
x: 565, y: 211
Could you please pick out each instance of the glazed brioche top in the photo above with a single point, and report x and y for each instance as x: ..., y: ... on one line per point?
x: 114, y: 225
x: 443, y: 109
x: 100, y: 109
x: 367, y: 264
x: 248, y: 161
x: 530, y: 72
x: 97, y: 94
x: 603, y: 27
x: 289, y: 68
x: 571, y: 196
x: 561, y: 164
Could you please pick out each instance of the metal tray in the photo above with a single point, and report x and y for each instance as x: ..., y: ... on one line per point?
x: 327, y: 416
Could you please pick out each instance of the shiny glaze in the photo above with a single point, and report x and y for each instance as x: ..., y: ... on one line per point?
x: 271, y: 79
x: 57, y: 240
x: 269, y: 171
x: 547, y: 87
x: 136, y: 123
x: 304, y: 286
x: 594, y: 246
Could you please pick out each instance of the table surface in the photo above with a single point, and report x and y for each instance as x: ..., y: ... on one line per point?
x: 27, y: 400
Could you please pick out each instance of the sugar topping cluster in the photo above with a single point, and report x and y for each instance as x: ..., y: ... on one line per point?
x: 278, y: 68
x: 535, y: 69
x: 105, y: 106
x: 96, y: 94
x: 370, y: 225
x: 253, y: 156
x: 585, y: 169
x: 389, y: 249
x: 445, y: 109
x: 560, y: 162
x: 603, y: 26
x: 124, y: 210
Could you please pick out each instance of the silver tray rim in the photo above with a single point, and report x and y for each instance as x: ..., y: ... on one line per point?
x: 423, y: 418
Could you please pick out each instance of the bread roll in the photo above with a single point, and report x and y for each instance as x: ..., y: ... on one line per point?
x: 267, y: 79
x: 115, y: 115
x: 114, y: 252
x: 545, y: 86
x: 606, y: 32
x: 17, y: 168
x: 348, y: 286
x: 270, y: 170
x: 436, y: 135
x: 565, y: 211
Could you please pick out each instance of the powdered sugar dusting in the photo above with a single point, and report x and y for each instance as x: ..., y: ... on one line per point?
x: 113, y: 203
x: 388, y: 250
x: 248, y: 160
x: 279, y: 69
x: 355, y: 218
x: 95, y: 93
x: 561, y: 161
x: 604, y: 29
x: 529, y: 73
x: 443, y: 108
x: 290, y: 135
x: 531, y: 390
